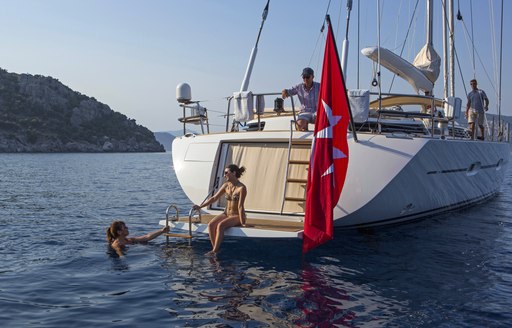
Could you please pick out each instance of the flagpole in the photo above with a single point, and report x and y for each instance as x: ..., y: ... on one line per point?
x: 352, y: 125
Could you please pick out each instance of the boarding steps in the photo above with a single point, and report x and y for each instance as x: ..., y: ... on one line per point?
x: 191, y: 219
x: 301, y: 164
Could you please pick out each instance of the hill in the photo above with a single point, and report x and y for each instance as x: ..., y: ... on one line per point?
x: 40, y: 114
x: 165, y: 138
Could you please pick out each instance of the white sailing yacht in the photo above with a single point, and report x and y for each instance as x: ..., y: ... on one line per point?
x: 403, y: 164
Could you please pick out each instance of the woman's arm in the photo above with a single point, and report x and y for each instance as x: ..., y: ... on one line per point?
x: 212, y: 199
x: 241, y: 208
x: 149, y: 236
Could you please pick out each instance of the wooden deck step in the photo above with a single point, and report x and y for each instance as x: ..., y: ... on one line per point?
x: 295, y: 199
x: 301, y: 142
x: 300, y: 162
x: 254, y: 223
x: 295, y: 180
x: 180, y: 235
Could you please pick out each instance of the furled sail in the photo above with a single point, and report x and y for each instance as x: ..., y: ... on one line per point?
x: 400, y: 67
x: 429, y: 62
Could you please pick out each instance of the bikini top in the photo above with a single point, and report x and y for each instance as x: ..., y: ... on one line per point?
x: 232, y: 195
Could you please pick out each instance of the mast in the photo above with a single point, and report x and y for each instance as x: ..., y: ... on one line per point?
x: 452, y: 51
x: 252, y: 58
x: 430, y: 11
x: 344, y: 51
x: 358, y: 38
x: 378, y: 54
x: 501, y: 66
x: 445, y: 53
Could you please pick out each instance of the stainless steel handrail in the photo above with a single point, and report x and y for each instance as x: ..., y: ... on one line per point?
x: 167, y: 217
x: 176, y: 218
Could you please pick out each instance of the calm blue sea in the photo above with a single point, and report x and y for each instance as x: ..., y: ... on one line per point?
x: 453, y: 270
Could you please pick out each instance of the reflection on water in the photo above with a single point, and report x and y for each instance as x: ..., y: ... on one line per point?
x: 56, y: 269
x: 322, y: 300
x: 272, y: 291
x: 402, y: 275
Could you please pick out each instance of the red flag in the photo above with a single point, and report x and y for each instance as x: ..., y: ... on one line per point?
x: 329, y: 154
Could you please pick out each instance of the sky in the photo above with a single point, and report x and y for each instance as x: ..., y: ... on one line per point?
x: 131, y: 54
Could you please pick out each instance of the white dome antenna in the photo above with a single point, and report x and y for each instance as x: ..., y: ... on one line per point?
x: 183, y: 93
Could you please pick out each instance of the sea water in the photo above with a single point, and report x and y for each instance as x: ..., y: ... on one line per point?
x: 56, y: 270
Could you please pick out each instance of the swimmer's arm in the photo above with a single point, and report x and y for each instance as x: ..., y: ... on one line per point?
x: 149, y: 236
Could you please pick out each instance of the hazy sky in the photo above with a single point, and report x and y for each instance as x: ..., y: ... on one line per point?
x: 131, y: 54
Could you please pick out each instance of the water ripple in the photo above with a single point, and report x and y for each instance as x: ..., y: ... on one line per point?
x: 57, y: 271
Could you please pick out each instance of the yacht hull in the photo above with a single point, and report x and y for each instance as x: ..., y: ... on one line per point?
x: 390, y: 178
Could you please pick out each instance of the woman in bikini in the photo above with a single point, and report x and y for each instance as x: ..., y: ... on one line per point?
x: 117, y: 236
x: 234, y: 213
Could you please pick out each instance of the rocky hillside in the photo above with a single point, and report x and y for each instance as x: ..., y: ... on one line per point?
x: 40, y: 114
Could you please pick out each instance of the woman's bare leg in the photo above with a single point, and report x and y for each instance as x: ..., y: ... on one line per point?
x: 231, y: 221
x: 213, y: 225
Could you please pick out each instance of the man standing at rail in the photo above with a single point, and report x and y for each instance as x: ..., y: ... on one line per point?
x: 477, y: 103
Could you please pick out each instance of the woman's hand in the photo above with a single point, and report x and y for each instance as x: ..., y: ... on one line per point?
x: 196, y: 207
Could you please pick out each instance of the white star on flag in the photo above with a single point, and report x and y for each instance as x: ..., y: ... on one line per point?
x: 327, y: 133
x: 333, y: 120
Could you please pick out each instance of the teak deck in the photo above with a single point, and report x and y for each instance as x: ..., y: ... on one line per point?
x: 263, y: 224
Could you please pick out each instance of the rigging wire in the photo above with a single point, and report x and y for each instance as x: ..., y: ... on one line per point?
x: 500, y: 70
x: 339, y: 20
x: 460, y: 69
x: 315, y: 49
x: 472, y: 36
x: 405, y: 40
x: 320, y: 35
x: 319, y: 57
x: 397, y: 24
x: 450, y: 32
x: 494, y: 47
x: 326, y: 12
x: 471, y: 41
x: 378, y: 54
x: 358, y: 39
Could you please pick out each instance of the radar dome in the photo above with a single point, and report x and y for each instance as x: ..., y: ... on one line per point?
x: 183, y: 93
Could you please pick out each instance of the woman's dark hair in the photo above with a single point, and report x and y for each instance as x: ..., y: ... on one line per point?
x: 238, y: 170
x: 113, y: 229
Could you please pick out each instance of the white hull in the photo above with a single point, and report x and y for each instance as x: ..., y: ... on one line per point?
x: 390, y: 178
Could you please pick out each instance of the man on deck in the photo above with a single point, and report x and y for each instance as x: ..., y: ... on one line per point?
x: 307, y: 92
x: 477, y: 103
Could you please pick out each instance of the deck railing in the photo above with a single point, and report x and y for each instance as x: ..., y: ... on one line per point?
x: 436, y: 122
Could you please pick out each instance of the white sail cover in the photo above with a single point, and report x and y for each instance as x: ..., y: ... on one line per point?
x: 244, y: 106
x: 429, y: 62
x: 400, y: 67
